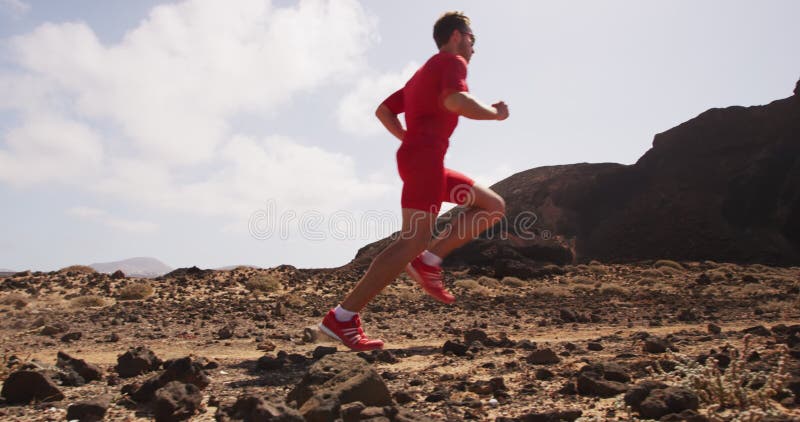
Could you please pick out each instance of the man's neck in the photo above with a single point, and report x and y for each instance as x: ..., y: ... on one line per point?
x: 448, y: 49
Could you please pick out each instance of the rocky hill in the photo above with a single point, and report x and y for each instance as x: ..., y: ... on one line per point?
x: 723, y: 186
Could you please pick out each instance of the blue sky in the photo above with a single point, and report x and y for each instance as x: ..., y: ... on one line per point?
x: 171, y: 129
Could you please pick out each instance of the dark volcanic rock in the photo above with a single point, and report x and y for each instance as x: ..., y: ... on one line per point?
x: 549, y: 416
x: 176, y: 401
x: 662, y: 402
x: 184, y: 370
x: 655, y: 345
x: 592, y: 384
x: 335, y: 380
x: 543, y: 357
x: 137, y: 361
x: 252, y: 408
x: 639, y: 392
x: 455, y: 348
x: 89, y: 411
x: 87, y: 371
x: 25, y: 386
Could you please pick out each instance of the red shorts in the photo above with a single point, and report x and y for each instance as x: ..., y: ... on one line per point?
x: 426, y: 181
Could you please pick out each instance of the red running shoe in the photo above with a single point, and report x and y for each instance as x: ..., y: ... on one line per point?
x: 430, y: 279
x: 349, y: 333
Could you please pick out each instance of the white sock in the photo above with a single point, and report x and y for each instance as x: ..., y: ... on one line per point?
x: 342, y: 314
x: 431, y: 259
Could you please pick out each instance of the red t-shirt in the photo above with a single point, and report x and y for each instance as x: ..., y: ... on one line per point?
x: 428, y: 122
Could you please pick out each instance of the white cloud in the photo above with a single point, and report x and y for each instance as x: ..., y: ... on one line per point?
x: 356, y: 111
x: 49, y: 147
x: 14, y: 8
x: 250, y: 172
x: 101, y: 216
x: 164, y: 98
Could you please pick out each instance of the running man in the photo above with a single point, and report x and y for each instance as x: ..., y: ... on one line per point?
x: 432, y: 100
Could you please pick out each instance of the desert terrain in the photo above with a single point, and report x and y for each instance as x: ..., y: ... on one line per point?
x: 577, y: 342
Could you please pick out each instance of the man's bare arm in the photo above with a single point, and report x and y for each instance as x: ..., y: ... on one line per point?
x: 390, y: 121
x: 464, y: 104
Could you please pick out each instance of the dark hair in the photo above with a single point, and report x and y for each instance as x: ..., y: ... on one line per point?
x: 448, y: 23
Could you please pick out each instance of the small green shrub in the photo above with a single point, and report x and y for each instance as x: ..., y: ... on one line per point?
x: 263, y: 283
x: 135, y: 291
x: 734, y: 387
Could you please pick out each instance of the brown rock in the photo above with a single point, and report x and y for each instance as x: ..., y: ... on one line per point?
x: 25, y: 386
x: 176, y: 401
x: 90, y: 410
x: 543, y: 357
x: 137, y: 361
x: 87, y: 371
x: 335, y: 380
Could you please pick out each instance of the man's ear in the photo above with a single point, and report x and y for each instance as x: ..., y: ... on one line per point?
x: 456, y: 33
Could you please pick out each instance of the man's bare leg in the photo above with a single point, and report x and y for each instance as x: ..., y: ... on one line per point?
x: 486, y: 209
x: 414, y: 237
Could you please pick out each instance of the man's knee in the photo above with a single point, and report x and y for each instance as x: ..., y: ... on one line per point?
x: 496, y: 206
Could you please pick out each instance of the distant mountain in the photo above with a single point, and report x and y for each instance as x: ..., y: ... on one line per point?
x: 231, y: 267
x: 134, y: 267
x: 6, y: 270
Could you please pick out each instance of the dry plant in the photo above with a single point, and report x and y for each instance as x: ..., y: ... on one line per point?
x: 752, y: 290
x: 613, y: 289
x: 718, y: 275
x: 512, y: 281
x: 263, y: 283
x: 646, y: 281
x: 598, y: 269
x: 77, y: 269
x: 671, y: 271
x: 581, y: 280
x: 294, y: 300
x: 735, y: 387
x: 472, y: 286
x: 489, y: 282
x: 652, y: 272
x: 16, y: 300
x: 135, y: 291
x: 550, y: 291
x: 88, y: 301
x: 661, y: 263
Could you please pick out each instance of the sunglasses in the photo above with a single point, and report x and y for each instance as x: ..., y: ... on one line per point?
x: 471, y: 37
